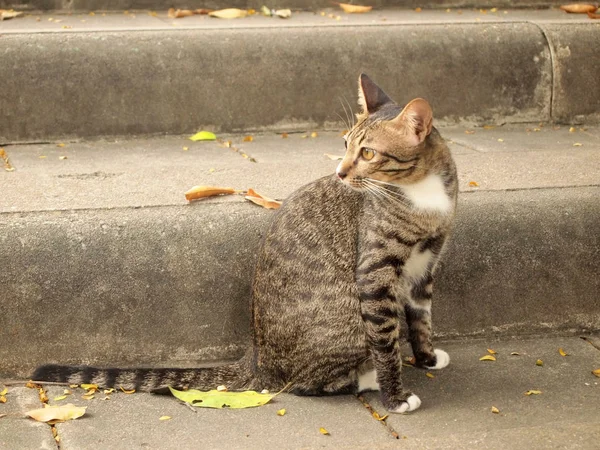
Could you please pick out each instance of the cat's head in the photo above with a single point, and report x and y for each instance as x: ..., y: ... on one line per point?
x: 388, y: 143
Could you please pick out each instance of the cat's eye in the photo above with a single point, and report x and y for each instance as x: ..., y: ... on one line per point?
x: 367, y: 153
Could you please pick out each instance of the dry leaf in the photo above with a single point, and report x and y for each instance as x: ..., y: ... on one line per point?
x: 284, y: 13
x: 222, y: 388
x: 487, y: 358
x: 313, y: 134
x: 203, y: 136
x: 429, y: 375
x: 579, y: 8
x: 284, y: 135
x: 59, y: 398
x: 87, y: 387
x: 265, y: 11
x: 164, y: 418
x: 207, y: 191
x: 515, y: 354
x: 4, y: 391
x: 596, y: 372
x: 495, y: 410
x: 42, y: 395
x: 73, y: 386
x: 539, y: 362
x: 7, y: 165
x: 109, y: 391
x: 261, y: 200
x: 492, y: 352
x: 324, y: 431
x: 281, y: 412
x: 418, y: 9
x: 577, y: 144
x: 354, y: 9
x: 31, y: 385
x: 500, y: 140
x: 67, y: 392
x: 176, y: 14
x: 62, y: 157
x: 473, y: 184
x: 334, y: 157
x: 127, y: 391
x: 469, y: 132
x: 248, y: 139
x: 229, y: 13
x: 60, y: 145
x: 6, y: 14
x: 591, y: 15
x: 216, y: 399
x: 57, y: 413
x: 572, y: 130
x: 88, y: 396
x: 533, y: 392
x: 3, y: 415
x: 185, y: 149
x: 562, y: 352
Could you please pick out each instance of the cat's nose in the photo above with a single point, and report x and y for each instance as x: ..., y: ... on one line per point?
x: 341, y: 174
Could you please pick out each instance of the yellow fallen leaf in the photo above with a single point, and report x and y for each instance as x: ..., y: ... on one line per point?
x: 87, y: 387
x: 60, y: 413
x: 469, y: 132
x: 203, y: 136
x: 495, y: 410
x: 487, y: 358
x: 491, y: 352
x: 533, y: 392
x: 229, y: 13
x: 562, y: 352
x: 62, y: 157
x: 418, y: 9
x: 3, y: 415
x: 207, y: 191
x: 429, y: 375
x: 4, y: 391
x: 42, y: 395
x: 281, y: 412
x: 127, y: 391
x: 109, y: 391
x: 73, y: 386
x: 354, y: 9
x: 248, y: 139
x: 222, y: 388
x: 515, y: 354
x: 59, y: 398
x: 577, y: 144
x: 500, y: 140
x: 60, y: 145
x: 185, y: 149
x: 334, y: 157
x: 42, y: 156
x: 596, y: 372
x: 473, y: 184
x: 88, y: 396
x: 31, y: 385
x: 67, y: 392
x: 579, y: 8
x: 261, y: 200
x: 284, y: 13
x: 313, y: 134
x: 324, y: 431
x: 284, y: 135
x: 9, y: 14
x: 164, y: 418
x: 539, y: 362
x: 572, y: 130
x: 216, y: 399
x: 265, y: 11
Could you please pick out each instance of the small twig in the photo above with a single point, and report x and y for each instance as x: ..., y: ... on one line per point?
x: 369, y: 408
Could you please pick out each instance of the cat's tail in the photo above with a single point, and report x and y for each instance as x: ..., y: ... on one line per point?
x: 236, y: 376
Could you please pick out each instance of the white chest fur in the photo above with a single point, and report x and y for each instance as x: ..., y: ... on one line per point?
x: 428, y: 194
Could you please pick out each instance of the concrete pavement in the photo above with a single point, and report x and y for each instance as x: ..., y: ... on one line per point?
x: 455, y: 414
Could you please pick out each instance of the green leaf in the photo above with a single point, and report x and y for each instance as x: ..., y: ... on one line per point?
x: 221, y: 399
x: 203, y: 136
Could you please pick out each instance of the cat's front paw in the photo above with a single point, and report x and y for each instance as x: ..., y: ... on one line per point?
x: 442, y: 359
x: 410, y: 404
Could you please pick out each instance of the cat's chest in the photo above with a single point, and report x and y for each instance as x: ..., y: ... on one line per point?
x: 429, y: 195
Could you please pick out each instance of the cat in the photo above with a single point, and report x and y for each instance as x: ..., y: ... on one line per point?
x: 345, y: 257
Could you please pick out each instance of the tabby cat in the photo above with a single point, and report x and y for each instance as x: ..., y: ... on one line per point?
x: 344, y: 259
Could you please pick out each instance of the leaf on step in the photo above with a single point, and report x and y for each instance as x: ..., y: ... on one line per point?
x: 216, y: 399
x: 515, y: 354
x: 57, y: 413
x: 533, y: 392
x: 473, y: 184
x: 203, y: 136
x: 562, y: 352
x: 491, y: 351
x: 88, y: 387
x: 487, y: 358
x: 59, y: 398
x: 109, y: 391
x: 261, y: 200
x: 313, y: 134
x: 579, y: 8
x: 127, y: 391
x: 229, y: 13
x: 207, y: 191
x: 596, y: 372
x: 469, y: 132
x: 324, y: 431
x: 6, y: 14
x: 284, y: 135
x: 248, y: 139
x: 164, y: 418
x: 284, y: 13
x: 265, y: 11
x: 281, y: 412
x: 495, y: 410
x: 591, y: 15
x: 354, y: 9
x: 4, y: 391
x: 539, y: 362
x: 334, y: 157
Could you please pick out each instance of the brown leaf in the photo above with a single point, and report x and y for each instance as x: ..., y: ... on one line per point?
x: 284, y: 135
x: 203, y: 11
x: 355, y: 9
x: 7, y: 165
x: 261, y: 200
x: 591, y: 15
x: 207, y: 191
x: 579, y: 8
x: 57, y: 413
x: 177, y: 14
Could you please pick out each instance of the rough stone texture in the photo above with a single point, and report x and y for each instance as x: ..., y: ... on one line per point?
x: 103, y: 262
x: 176, y: 81
x: 16, y: 430
x: 576, y: 93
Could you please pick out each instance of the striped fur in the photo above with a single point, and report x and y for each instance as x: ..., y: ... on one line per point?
x: 344, y: 258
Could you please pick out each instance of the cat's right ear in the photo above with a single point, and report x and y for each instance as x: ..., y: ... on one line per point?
x: 370, y: 96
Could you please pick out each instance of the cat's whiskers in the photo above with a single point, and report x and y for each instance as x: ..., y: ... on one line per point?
x: 348, y: 120
x: 385, y: 192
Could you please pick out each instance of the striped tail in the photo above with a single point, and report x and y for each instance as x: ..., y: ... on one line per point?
x: 235, y: 376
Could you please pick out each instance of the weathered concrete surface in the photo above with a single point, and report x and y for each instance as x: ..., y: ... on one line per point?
x: 17, y: 431
x: 230, y: 75
x: 455, y: 413
x: 576, y: 93
x: 456, y: 408
x: 103, y: 261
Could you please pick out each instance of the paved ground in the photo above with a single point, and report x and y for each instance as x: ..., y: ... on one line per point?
x: 456, y: 410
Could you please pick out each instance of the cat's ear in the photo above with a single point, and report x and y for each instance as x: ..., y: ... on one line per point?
x: 416, y: 120
x: 370, y: 96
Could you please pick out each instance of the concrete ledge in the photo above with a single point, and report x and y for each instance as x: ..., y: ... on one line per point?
x: 64, y: 85
x: 117, y: 278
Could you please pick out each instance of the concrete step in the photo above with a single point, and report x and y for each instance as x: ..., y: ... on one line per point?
x: 119, y: 75
x: 458, y: 401
x: 103, y: 261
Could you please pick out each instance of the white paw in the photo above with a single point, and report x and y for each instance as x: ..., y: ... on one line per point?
x: 411, y: 403
x: 442, y: 359
x: 368, y: 381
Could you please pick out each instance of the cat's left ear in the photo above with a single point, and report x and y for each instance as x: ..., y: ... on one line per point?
x: 370, y: 96
x: 416, y: 119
